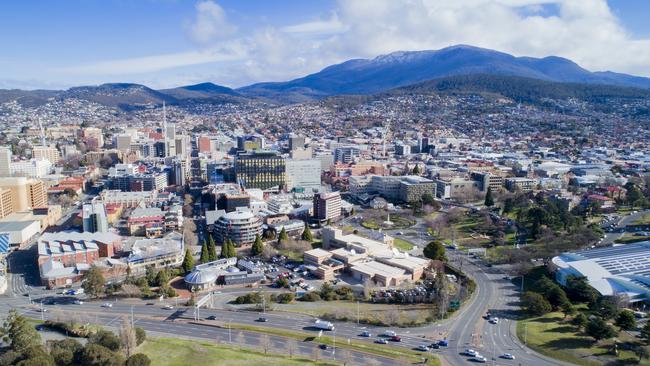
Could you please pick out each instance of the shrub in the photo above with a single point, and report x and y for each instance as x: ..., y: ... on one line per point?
x: 285, y: 298
x: 310, y: 297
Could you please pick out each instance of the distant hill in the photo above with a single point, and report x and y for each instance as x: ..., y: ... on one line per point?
x: 369, y: 76
x: 121, y: 95
x: 200, y: 91
x: 520, y: 89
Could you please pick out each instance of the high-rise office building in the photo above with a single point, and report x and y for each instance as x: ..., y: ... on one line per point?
x: 123, y: 142
x: 346, y: 155
x: 5, y: 161
x: 303, y: 175
x: 25, y: 193
x: 264, y: 170
x: 327, y: 206
x: 31, y: 168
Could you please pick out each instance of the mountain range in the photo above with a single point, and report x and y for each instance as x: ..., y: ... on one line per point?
x: 353, y: 77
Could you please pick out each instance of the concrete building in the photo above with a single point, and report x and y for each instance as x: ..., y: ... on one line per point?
x: 402, y: 150
x: 49, y: 153
x: 32, y: 168
x: 346, y: 155
x: 303, y: 176
x: 168, y: 251
x: 327, y: 206
x: 5, y: 161
x: 240, y: 226
x: 25, y: 193
x: 20, y: 232
x: 413, y: 187
x: 296, y: 142
x: 488, y: 180
x: 94, y: 217
x: 522, y: 184
x: 457, y: 188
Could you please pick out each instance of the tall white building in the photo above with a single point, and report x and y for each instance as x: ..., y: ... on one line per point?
x: 303, y: 175
x: 5, y: 161
x: 32, y: 168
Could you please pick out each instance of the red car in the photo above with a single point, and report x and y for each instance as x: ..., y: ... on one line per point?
x: 396, y: 338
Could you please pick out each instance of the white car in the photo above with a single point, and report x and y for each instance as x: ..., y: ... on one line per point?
x: 389, y: 333
x: 494, y: 320
x: 479, y: 358
x: 508, y: 356
x: 78, y: 302
x: 470, y: 352
x: 107, y: 305
x: 168, y: 307
x: 423, y: 348
x: 381, y: 341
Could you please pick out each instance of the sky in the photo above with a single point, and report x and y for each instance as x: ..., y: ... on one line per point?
x: 166, y: 43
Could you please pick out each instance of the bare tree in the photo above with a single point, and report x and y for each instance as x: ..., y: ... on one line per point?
x: 240, y: 339
x: 131, y: 290
x: 127, y: 337
x: 265, y: 342
x: 292, y: 347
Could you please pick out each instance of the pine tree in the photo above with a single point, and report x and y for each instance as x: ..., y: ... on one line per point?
x: 306, y: 234
x: 258, y: 246
x: 205, y: 257
x: 283, y: 236
x: 212, y: 249
x: 231, y: 251
x: 416, y: 170
x: 489, y: 200
x: 188, y: 261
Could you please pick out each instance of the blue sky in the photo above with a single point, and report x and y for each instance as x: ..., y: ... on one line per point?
x: 165, y: 43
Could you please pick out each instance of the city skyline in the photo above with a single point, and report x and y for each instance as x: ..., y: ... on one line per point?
x: 171, y: 43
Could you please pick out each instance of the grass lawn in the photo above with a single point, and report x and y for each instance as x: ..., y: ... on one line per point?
x: 402, y: 245
x: 552, y: 337
x: 643, y: 220
x: 631, y: 238
x: 180, y: 352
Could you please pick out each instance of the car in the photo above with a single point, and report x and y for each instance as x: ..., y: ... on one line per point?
x: 366, y: 334
x: 479, y: 358
x: 389, y: 333
x: 443, y: 343
x: 322, y: 346
x: 107, y: 305
x: 423, y: 348
x: 168, y: 307
x: 78, y: 302
x: 508, y: 356
x: 42, y: 310
x: 470, y: 352
x: 211, y: 317
x: 396, y: 338
x: 381, y: 341
x: 262, y: 319
x: 494, y: 320
x: 435, y: 346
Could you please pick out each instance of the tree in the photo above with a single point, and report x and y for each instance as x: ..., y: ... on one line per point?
x: 578, y: 289
x: 306, y: 234
x: 63, y: 351
x: 416, y: 170
x: 557, y: 297
x: 642, y: 353
x: 205, y: 256
x: 150, y: 275
x: 140, y: 335
x: 19, y: 332
x: 567, y: 309
x: 98, y: 355
x: 606, y: 306
x: 93, y: 282
x: 228, y: 249
x: 138, y: 359
x: 188, y: 261
x: 580, y: 320
x: 265, y: 342
x: 535, y: 303
x: 645, y: 332
x: 625, y: 320
x: 162, y: 277
x: 598, y: 329
x: 105, y: 339
x: 212, y: 249
x: 489, y: 200
x: 127, y: 337
x: 283, y: 236
x: 258, y: 246
x: 435, y: 250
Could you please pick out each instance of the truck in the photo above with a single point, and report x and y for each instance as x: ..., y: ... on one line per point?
x: 324, y: 325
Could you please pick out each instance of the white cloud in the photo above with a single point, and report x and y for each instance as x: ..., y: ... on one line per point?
x: 585, y: 31
x: 210, y: 24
